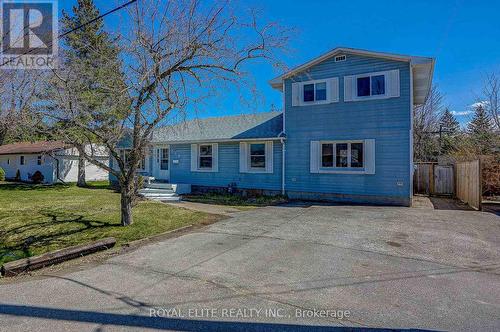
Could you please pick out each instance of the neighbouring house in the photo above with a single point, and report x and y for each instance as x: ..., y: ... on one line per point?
x: 57, y: 161
x: 345, y: 134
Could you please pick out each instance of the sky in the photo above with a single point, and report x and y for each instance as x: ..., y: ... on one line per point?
x: 463, y: 37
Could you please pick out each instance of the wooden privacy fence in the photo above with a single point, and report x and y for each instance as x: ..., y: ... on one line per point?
x: 469, y: 184
x: 433, y: 179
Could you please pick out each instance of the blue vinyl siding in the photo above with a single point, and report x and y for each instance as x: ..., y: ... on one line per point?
x: 386, y: 120
x: 229, y: 169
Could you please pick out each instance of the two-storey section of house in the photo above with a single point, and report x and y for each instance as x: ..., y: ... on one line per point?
x: 348, y: 125
x: 345, y: 134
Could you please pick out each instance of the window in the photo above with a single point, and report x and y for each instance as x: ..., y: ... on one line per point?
x: 164, y: 159
x: 39, y: 160
x: 356, y: 154
x: 8, y: 161
x: 125, y: 156
x: 315, y: 92
x: 308, y: 92
x: 375, y: 85
x: 258, y: 156
x: 327, y: 155
x: 342, y: 155
x: 339, y: 58
x: 21, y: 160
x: 378, y: 85
x: 371, y: 85
x: 205, y: 157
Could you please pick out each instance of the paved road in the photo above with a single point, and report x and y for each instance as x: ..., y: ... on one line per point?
x: 380, y: 266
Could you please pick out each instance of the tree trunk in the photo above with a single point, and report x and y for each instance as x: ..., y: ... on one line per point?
x: 126, y: 204
x: 3, y: 136
x: 81, y: 168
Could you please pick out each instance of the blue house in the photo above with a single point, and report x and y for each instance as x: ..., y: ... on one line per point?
x: 345, y: 134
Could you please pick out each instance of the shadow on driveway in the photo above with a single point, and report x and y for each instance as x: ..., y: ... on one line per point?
x: 162, y: 323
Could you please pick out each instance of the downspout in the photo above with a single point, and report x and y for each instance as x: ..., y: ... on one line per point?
x: 283, y: 148
x: 283, y: 145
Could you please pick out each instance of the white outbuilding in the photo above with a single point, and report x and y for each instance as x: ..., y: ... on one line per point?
x: 57, y: 161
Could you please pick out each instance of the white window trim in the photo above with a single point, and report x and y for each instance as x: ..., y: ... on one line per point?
x: 122, y: 152
x: 342, y: 170
x: 160, y: 157
x: 249, y: 159
x: 370, y: 75
x: 199, y: 157
x: 329, y: 98
x: 314, y: 102
x: 392, y: 86
x: 246, y: 167
x: 215, y: 158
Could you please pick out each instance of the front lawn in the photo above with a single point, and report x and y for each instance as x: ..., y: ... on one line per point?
x: 35, y: 219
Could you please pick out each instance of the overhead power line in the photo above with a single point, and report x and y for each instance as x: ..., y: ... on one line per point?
x: 64, y: 34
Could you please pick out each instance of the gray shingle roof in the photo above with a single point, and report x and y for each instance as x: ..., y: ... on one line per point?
x: 260, y: 125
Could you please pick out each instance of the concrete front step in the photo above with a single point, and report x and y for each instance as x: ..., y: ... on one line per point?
x: 156, y: 190
x: 165, y: 199
x: 158, y: 185
x: 159, y: 192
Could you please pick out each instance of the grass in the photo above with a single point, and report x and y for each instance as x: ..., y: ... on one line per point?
x: 35, y: 219
x: 236, y: 201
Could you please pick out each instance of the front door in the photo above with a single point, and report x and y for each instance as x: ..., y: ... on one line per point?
x: 161, y: 169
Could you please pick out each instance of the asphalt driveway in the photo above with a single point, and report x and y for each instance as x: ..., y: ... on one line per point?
x: 295, y: 267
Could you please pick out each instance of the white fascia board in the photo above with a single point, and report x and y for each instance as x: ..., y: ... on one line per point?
x: 277, y: 82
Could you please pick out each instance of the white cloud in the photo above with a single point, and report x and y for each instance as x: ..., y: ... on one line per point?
x: 461, y: 113
x: 479, y: 103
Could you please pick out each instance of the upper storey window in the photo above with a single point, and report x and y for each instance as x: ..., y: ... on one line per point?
x: 376, y: 85
x: 315, y: 92
x: 371, y: 85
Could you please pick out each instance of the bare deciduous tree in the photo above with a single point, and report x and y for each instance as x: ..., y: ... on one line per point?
x: 176, y: 53
x: 18, y: 90
x: 426, y: 125
x: 491, y: 92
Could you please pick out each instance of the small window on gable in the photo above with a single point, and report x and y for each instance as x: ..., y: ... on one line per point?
x: 339, y: 58
x: 315, y: 92
x: 21, y: 160
x: 8, y: 161
x: 371, y: 85
x: 39, y: 160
